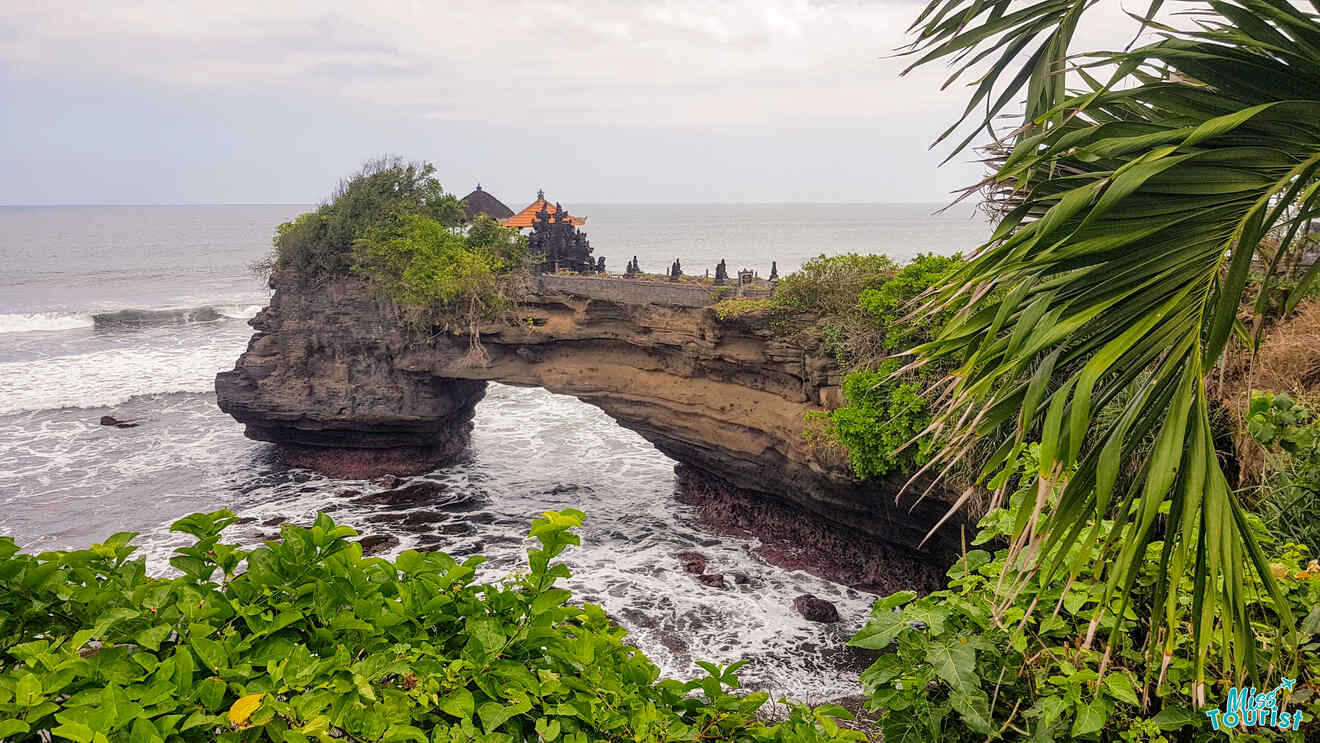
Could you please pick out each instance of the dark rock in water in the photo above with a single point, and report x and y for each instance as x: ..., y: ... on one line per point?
x: 348, y: 463
x: 816, y: 610
x: 794, y: 540
x: 422, y: 491
x: 273, y: 521
x: 424, y: 517
x: 741, y: 579
x: 247, y: 520
x: 714, y: 580
x: 110, y: 420
x: 374, y: 544
x: 388, y: 481
x: 635, y: 618
x: 693, y: 562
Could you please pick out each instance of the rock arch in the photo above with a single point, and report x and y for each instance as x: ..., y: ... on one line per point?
x: 331, y: 369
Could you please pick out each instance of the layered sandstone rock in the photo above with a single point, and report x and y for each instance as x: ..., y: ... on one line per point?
x: 332, y: 367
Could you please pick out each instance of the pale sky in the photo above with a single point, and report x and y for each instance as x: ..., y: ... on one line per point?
x: 269, y: 101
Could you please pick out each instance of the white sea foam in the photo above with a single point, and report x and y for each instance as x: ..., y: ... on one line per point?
x: 110, y: 377
x: 47, y: 321
x: 239, y: 311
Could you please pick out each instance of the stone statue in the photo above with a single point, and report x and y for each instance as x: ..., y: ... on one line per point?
x: 721, y: 274
x: 774, y: 271
x: 675, y: 271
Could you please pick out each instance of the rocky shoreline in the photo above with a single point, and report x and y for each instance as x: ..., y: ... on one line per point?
x: 792, y: 539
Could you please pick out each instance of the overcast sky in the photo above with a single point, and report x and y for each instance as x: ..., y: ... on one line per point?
x: 271, y: 101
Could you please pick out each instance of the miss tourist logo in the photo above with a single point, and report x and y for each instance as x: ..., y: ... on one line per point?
x: 1245, y: 708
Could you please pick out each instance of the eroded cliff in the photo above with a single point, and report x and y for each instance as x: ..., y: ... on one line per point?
x: 333, y: 368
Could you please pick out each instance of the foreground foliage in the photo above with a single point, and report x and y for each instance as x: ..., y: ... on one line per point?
x: 1134, y: 210
x: 981, y: 661
x: 311, y: 641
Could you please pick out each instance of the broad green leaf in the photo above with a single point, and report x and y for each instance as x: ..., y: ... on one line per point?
x: 954, y: 661
x: 1090, y: 718
x: 1119, y: 687
x: 211, y: 652
x: 458, y: 704
x: 152, y: 637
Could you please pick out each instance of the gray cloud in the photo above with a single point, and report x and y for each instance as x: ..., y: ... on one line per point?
x: 788, y: 99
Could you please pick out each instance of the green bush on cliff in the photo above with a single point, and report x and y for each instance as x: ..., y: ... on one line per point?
x: 830, y: 284
x: 423, y: 264
x: 305, y: 639
x: 394, y: 223
x: 891, y: 302
x: 321, y: 242
x: 883, y: 412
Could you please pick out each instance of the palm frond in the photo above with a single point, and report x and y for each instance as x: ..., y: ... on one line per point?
x: 1116, y: 279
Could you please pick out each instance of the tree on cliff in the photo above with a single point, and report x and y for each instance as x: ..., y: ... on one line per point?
x: 377, y: 197
x: 1134, y: 208
x: 393, y: 223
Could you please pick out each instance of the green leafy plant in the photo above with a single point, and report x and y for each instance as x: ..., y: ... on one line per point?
x: 830, y: 284
x: 987, y: 660
x: 1289, y: 498
x: 884, y: 413
x: 422, y: 264
x: 305, y: 639
x: 892, y: 303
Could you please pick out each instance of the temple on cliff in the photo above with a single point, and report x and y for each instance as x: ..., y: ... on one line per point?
x: 527, y: 217
x: 555, y: 235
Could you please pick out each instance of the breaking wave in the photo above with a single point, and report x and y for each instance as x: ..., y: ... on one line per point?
x: 128, y: 318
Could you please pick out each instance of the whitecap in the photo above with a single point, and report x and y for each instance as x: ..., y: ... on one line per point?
x: 47, y: 321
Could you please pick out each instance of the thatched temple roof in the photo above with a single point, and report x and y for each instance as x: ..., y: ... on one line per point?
x: 481, y: 202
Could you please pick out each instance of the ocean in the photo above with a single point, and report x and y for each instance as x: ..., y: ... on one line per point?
x: 130, y: 312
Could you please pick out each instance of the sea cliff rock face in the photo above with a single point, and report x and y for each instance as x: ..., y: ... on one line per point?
x: 332, y: 367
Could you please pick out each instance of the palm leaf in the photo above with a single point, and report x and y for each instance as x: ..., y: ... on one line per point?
x: 1115, y: 283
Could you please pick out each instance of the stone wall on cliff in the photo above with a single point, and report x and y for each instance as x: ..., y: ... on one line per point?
x: 333, y: 366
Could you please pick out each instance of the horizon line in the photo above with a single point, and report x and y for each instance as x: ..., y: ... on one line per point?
x: 584, y: 201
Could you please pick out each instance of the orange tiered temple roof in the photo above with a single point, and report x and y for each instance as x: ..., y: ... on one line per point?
x: 525, y: 217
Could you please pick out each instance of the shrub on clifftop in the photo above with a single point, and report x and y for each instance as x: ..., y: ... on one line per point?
x: 321, y: 242
x: 394, y: 223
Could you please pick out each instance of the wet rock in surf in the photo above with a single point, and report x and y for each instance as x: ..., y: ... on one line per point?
x: 375, y: 544
x: 110, y: 420
x: 422, y: 491
x: 714, y: 580
x: 815, y: 609
x: 693, y: 562
x: 792, y: 539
